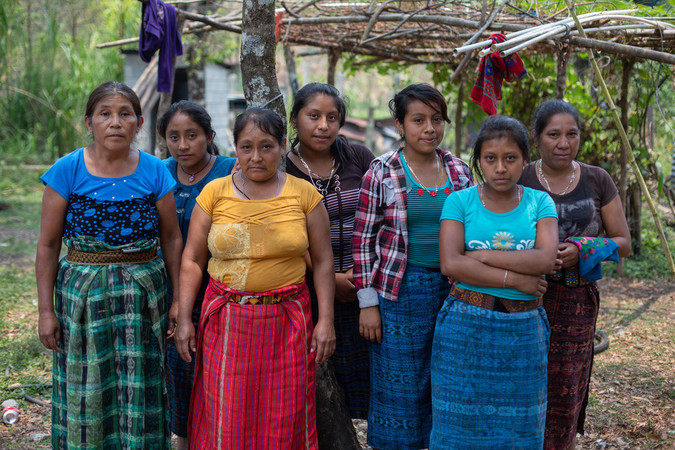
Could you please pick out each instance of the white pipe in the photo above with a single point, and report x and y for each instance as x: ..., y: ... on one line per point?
x: 503, y: 46
x: 537, y: 30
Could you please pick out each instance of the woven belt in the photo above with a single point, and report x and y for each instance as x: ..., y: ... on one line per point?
x: 256, y: 299
x: 487, y: 301
x: 568, y: 277
x: 110, y: 257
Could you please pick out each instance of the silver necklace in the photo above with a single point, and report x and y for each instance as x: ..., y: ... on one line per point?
x: 548, y: 186
x: 323, y: 190
x: 242, y: 190
x: 423, y: 187
x: 519, y: 190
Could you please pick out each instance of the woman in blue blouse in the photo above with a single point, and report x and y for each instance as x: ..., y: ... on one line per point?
x: 488, y: 363
x: 193, y: 163
x: 102, y: 307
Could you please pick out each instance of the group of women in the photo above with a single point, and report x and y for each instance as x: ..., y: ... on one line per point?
x: 343, y: 256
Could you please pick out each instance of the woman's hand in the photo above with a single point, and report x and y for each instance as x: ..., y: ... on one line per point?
x: 568, y: 253
x: 345, y: 291
x: 186, y: 343
x: 479, y: 255
x: 370, y: 324
x: 49, y: 331
x: 323, y: 340
x: 529, y: 284
x: 171, y: 325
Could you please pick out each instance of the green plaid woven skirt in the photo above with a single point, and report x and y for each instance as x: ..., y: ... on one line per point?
x: 108, y: 381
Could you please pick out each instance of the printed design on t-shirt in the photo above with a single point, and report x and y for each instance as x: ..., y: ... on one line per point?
x: 501, y: 240
x: 579, y: 218
x: 116, y: 222
x: 230, y: 247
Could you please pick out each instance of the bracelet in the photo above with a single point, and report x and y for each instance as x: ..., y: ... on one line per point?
x: 506, y: 274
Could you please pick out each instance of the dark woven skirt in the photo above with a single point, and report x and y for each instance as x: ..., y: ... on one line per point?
x: 179, y: 378
x: 488, y: 378
x: 351, y: 359
x: 572, y: 313
x: 400, y: 395
x: 108, y: 381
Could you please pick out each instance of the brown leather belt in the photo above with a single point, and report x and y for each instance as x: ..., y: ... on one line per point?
x: 487, y: 301
x: 110, y: 257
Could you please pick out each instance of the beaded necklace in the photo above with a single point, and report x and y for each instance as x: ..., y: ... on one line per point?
x: 422, y: 188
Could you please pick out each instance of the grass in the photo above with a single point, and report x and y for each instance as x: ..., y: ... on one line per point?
x: 23, y: 359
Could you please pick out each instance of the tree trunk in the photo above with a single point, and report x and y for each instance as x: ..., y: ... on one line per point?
x: 459, y: 125
x: 258, y: 57
x: 561, y: 79
x: 333, y: 58
x: 289, y: 57
x: 195, y: 74
x: 161, y: 151
x: 195, y: 60
x: 634, y: 200
x: 370, y: 130
x: 334, y: 427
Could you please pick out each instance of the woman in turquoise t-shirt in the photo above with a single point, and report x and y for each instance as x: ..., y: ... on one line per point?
x: 497, y: 240
x: 194, y: 162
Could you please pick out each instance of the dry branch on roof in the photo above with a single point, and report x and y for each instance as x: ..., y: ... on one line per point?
x: 429, y: 31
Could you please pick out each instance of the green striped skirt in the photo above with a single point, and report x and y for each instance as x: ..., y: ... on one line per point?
x: 108, y: 380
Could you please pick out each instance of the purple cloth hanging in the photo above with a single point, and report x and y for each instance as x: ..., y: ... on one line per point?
x: 159, y: 31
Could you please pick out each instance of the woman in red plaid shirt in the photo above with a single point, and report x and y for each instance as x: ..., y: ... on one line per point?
x: 397, y: 269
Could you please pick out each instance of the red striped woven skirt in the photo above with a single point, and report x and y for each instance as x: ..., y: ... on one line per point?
x: 572, y: 314
x: 254, y: 385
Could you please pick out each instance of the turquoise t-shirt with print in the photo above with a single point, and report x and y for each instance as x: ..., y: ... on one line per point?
x: 486, y: 230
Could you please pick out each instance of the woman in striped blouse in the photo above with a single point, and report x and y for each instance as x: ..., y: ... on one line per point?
x: 335, y: 167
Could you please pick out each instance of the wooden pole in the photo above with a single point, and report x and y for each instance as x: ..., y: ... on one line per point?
x: 626, y: 143
x: 623, y: 158
x: 370, y: 129
x: 459, y: 125
x: 561, y: 79
x: 333, y: 58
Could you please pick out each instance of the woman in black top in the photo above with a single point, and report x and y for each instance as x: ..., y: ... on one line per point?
x: 335, y: 167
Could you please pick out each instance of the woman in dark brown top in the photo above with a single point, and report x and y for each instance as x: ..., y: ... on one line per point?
x: 588, y: 205
x: 335, y: 167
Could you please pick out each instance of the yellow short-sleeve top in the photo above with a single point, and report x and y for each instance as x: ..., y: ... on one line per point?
x: 258, y: 245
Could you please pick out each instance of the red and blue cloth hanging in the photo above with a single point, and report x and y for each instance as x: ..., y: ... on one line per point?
x: 492, y: 72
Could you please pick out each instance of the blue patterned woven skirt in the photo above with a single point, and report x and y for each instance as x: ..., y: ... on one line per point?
x: 400, y: 392
x: 488, y: 378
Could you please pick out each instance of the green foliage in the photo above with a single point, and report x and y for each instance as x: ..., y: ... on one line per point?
x: 652, y: 263
x: 21, y: 350
x: 22, y: 357
x: 49, y: 65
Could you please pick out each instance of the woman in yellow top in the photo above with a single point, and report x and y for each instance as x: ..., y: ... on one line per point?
x: 256, y: 350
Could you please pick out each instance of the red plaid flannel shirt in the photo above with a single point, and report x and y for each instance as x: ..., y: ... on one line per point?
x: 380, y: 230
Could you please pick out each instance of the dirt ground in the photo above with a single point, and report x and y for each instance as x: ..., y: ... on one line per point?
x: 632, y: 404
